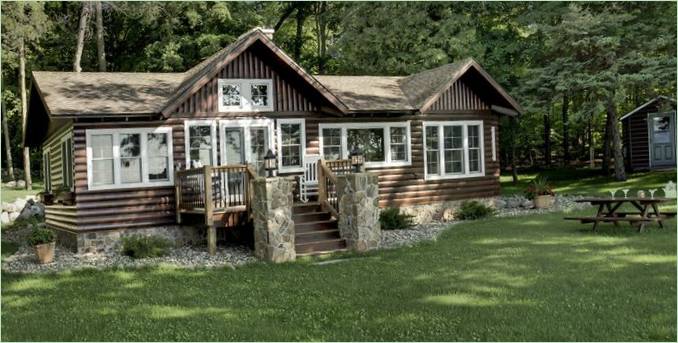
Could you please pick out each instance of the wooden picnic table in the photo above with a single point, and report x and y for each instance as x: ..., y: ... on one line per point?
x: 648, y: 211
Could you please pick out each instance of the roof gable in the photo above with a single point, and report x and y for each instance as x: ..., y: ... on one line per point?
x: 649, y: 103
x: 199, y: 75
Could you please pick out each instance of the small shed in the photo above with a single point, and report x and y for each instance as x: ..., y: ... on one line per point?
x: 649, y: 133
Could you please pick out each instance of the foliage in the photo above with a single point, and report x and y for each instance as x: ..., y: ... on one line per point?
x: 501, y: 279
x: 21, y: 223
x: 392, y: 219
x: 469, y: 210
x: 8, y: 248
x: 139, y: 246
x: 539, y: 186
x: 41, y: 236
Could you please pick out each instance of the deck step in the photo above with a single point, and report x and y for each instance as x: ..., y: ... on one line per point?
x: 315, y: 236
x: 324, y: 246
x: 301, y: 207
x: 315, y: 225
x: 306, y: 217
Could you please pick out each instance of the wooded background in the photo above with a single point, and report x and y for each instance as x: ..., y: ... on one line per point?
x: 575, y: 67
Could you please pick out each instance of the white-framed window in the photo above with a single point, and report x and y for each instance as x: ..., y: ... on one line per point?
x: 67, y: 161
x: 200, y: 138
x: 291, y: 144
x: 245, y: 95
x: 453, y: 149
x: 246, y: 141
x: 383, y: 144
x: 46, y: 169
x: 130, y: 157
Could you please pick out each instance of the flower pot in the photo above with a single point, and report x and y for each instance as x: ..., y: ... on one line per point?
x: 45, y: 252
x: 543, y: 201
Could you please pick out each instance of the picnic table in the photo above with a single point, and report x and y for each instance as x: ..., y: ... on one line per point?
x: 648, y: 211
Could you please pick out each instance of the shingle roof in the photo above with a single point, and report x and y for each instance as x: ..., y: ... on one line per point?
x: 422, y: 86
x: 361, y: 93
x: 635, y: 110
x: 67, y: 93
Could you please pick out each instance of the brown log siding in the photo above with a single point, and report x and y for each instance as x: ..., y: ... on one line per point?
x: 458, y: 97
x: 53, y: 144
x: 287, y: 96
x: 636, y: 139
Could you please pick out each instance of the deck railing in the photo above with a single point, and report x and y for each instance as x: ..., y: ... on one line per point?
x: 327, y: 183
x: 214, y: 189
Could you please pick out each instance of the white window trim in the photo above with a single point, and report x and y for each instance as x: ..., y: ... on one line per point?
x: 117, y: 184
x: 441, y: 153
x: 494, y: 145
x: 246, y: 124
x: 302, y: 123
x: 187, y: 141
x: 63, y: 139
x: 387, y: 140
x: 245, y: 95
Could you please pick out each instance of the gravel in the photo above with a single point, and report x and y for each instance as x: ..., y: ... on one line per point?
x: 425, y: 232
x: 25, y: 261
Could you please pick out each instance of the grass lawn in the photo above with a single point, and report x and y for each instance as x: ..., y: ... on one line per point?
x: 11, y: 194
x: 535, y: 278
x: 589, y: 182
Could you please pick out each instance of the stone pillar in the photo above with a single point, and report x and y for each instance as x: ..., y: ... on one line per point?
x: 273, y: 225
x: 359, y: 210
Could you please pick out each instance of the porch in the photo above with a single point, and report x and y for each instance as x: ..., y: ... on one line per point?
x: 221, y: 197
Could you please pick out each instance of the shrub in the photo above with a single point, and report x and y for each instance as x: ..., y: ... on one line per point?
x: 41, y: 236
x: 138, y: 246
x: 539, y: 186
x: 474, y: 210
x: 392, y: 219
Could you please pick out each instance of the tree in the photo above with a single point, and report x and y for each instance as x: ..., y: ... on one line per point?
x: 82, y: 31
x: 101, y: 53
x: 8, y: 148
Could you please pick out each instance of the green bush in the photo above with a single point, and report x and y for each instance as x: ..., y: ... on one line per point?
x: 392, y: 219
x: 41, y: 236
x: 539, y: 186
x: 138, y: 246
x: 474, y: 210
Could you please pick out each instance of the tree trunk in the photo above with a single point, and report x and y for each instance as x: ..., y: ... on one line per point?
x: 566, y: 131
x: 24, y: 105
x: 606, y: 144
x: 514, y: 171
x: 619, y: 171
x: 82, y: 29
x: 101, y: 53
x: 8, y: 148
x: 547, y: 140
x: 321, y: 34
x: 592, y: 149
x: 299, y: 38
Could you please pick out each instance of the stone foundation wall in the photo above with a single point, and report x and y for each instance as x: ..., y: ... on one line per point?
x: 273, y: 224
x: 359, y: 210
x: 440, y: 211
x: 109, y: 241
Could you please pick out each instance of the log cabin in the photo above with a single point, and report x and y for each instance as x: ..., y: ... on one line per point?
x: 649, y: 135
x: 135, y: 150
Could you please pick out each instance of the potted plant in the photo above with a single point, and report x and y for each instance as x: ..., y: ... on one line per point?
x: 44, y: 242
x: 46, y: 198
x: 65, y: 196
x: 541, y: 193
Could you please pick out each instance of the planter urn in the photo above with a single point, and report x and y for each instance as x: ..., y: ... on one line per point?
x: 45, y: 252
x: 543, y: 201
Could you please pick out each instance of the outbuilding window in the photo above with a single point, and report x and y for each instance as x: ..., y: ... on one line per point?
x: 454, y: 149
x: 245, y: 95
x: 383, y: 144
x: 123, y: 158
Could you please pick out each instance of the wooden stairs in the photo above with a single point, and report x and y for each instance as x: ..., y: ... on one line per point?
x: 316, y: 231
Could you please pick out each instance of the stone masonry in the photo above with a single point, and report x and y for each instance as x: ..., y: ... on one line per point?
x: 273, y: 224
x: 359, y: 210
x: 109, y: 241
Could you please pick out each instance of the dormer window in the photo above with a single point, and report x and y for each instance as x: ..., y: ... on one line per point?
x: 245, y: 95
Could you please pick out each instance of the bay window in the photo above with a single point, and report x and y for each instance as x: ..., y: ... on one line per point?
x: 137, y: 157
x: 453, y: 149
x: 383, y: 144
x: 245, y: 95
x: 291, y: 144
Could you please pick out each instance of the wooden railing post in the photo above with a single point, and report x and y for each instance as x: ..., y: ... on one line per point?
x: 177, y: 196
x: 322, y: 183
x: 209, y: 209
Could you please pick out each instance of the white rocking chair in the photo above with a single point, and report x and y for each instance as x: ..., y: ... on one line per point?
x: 308, y: 182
